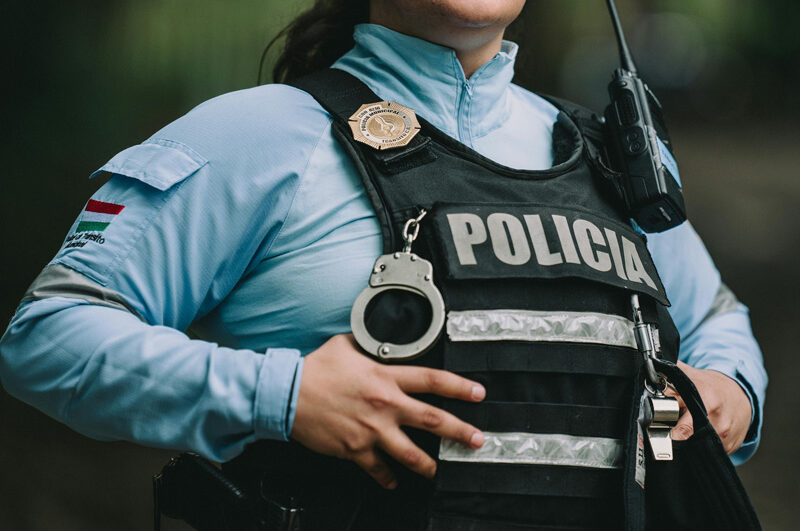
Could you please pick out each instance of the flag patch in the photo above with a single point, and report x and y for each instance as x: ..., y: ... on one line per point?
x: 97, y: 216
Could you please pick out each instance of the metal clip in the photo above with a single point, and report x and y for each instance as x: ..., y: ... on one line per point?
x: 284, y: 517
x: 661, y: 412
x: 411, y: 230
x: 648, y: 344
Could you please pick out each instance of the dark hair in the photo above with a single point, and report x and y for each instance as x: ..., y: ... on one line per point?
x: 316, y: 38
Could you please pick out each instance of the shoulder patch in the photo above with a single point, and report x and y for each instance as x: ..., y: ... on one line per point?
x: 97, y: 215
x: 95, y: 218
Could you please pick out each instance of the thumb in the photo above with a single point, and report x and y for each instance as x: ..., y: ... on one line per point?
x: 684, y: 428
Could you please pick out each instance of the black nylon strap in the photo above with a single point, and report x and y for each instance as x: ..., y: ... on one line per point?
x: 455, y: 523
x: 699, y: 488
x: 531, y: 480
x: 716, y: 485
x: 340, y: 93
x: 525, y: 356
x: 591, y: 128
x: 633, y: 497
x: 590, y: 421
x: 586, y: 119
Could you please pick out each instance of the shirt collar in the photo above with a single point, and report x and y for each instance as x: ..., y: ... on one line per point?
x: 429, y: 79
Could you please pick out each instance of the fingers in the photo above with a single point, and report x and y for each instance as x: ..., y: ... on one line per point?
x: 722, y: 424
x: 377, y: 468
x: 684, y: 428
x: 685, y: 425
x: 404, y: 451
x: 669, y: 391
x: 437, y: 382
x: 418, y: 414
x: 726, y: 403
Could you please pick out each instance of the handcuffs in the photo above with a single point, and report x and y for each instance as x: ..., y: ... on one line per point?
x: 404, y: 271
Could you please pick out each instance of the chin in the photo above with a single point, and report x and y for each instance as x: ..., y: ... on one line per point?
x: 457, y: 24
x: 475, y: 13
x: 454, y: 13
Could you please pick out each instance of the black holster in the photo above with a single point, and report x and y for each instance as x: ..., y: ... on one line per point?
x: 194, y: 490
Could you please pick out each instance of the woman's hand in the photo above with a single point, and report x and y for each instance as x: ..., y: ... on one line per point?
x: 727, y: 405
x: 350, y: 406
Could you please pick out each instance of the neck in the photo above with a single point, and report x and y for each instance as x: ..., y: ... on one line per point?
x: 472, y: 59
x: 474, y: 45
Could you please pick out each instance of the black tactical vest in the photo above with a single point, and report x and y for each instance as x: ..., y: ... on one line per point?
x: 536, y: 269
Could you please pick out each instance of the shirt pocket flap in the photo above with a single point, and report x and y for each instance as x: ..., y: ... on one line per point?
x: 158, y: 163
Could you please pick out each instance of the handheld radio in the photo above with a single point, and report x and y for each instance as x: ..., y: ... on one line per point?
x: 639, y: 146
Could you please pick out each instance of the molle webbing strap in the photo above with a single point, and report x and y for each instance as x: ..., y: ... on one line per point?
x: 455, y: 523
x: 530, y: 480
x: 520, y: 356
x: 596, y: 421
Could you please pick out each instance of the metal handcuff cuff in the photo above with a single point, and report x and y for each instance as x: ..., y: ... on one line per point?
x: 660, y: 412
x: 404, y: 271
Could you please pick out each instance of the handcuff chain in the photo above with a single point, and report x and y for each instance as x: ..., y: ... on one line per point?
x: 411, y: 230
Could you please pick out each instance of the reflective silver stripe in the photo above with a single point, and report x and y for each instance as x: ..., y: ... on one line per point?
x: 724, y: 302
x: 60, y: 281
x: 528, y: 325
x: 537, y: 449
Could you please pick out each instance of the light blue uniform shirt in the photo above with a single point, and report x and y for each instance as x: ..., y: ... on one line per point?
x: 246, y: 220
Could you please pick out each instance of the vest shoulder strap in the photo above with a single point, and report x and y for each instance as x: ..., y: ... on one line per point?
x: 591, y: 126
x: 339, y: 92
x: 589, y: 122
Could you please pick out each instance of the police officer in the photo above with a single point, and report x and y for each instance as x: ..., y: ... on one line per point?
x: 247, y: 220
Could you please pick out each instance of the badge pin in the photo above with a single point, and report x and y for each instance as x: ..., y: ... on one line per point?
x: 384, y: 125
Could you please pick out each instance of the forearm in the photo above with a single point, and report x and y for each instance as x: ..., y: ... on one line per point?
x: 724, y: 343
x: 714, y: 326
x: 110, y: 376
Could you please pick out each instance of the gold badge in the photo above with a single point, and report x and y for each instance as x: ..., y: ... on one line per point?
x: 384, y: 125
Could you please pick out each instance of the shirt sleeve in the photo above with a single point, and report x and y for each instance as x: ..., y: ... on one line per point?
x: 110, y: 376
x: 182, y: 220
x: 713, y: 336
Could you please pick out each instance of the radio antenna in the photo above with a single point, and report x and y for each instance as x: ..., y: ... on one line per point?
x: 624, y: 53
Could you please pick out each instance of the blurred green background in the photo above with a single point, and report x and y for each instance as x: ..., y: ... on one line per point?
x: 86, y: 79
